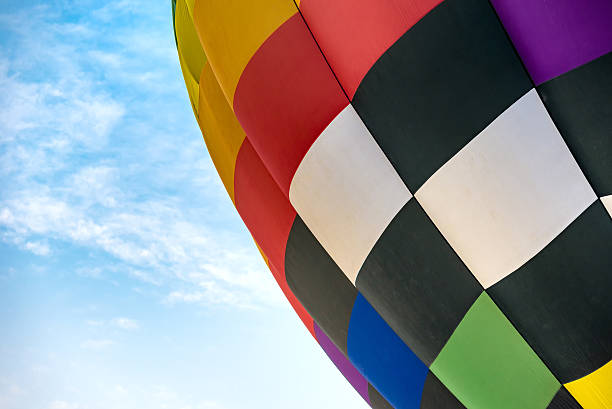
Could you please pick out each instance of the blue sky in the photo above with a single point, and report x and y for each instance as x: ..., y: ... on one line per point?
x: 127, y: 280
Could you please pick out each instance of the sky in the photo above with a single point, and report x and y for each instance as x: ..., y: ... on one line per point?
x: 127, y: 279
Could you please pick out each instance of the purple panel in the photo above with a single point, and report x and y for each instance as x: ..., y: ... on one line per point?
x: 555, y: 36
x: 344, y: 365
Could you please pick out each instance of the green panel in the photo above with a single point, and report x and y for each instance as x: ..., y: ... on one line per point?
x: 174, y: 21
x: 487, y: 364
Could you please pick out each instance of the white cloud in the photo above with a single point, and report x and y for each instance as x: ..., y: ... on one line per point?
x: 206, y: 405
x: 38, y: 248
x: 164, y: 393
x: 100, y: 168
x: 125, y: 323
x: 95, y: 323
x: 67, y: 112
x: 144, y: 277
x: 90, y: 272
x: 110, y: 60
x: 97, y: 344
x: 122, y: 323
x: 113, y: 8
x: 96, y: 185
x: 60, y: 404
x: 155, y: 241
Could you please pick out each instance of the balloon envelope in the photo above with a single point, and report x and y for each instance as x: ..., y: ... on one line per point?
x: 430, y: 183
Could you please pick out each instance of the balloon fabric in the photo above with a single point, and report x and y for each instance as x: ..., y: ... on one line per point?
x: 429, y: 182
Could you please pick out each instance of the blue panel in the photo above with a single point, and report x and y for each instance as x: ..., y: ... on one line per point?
x: 383, y: 358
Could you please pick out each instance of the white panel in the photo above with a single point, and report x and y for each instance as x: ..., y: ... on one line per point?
x: 507, y: 193
x: 607, y: 201
x: 346, y: 191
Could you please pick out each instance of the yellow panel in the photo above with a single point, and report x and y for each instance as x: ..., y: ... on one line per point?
x: 188, y: 42
x: 594, y: 391
x: 191, y: 84
x: 232, y: 30
x: 190, y: 6
x: 222, y: 132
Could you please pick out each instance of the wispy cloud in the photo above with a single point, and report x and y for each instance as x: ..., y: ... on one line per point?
x: 112, y: 9
x: 126, y: 323
x: 97, y: 344
x: 38, y: 248
x: 84, y: 160
x: 61, y: 404
x: 123, y: 323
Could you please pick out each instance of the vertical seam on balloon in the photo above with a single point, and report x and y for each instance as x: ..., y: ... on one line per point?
x: 321, y: 50
x: 356, y: 110
x: 350, y: 102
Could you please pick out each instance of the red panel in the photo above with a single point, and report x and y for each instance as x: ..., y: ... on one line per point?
x: 353, y: 34
x: 264, y: 209
x: 286, y: 96
x: 268, y: 215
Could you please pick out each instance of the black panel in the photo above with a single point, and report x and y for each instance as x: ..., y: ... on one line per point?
x: 563, y: 400
x: 376, y: 399
x: 438, y: 86
x: 319, y: 284
x: 580, y: 103
x: 417, y: 283
x: 560, y: 300
x: 437, y: 396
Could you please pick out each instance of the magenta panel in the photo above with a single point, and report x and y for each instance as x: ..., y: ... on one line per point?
x: 342, y: 363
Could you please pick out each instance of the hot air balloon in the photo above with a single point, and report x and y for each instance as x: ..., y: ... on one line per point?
x: 430, y: 183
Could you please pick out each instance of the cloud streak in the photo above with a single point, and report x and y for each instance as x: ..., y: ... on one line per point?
x: 85, y: 162
x: 97, y: 344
